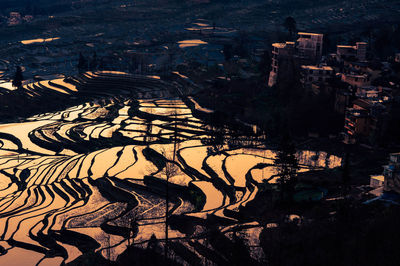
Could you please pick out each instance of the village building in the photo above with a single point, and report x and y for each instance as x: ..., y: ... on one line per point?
x: 14, y: 19
x: 342, y: 100
x: 316, y: 78
x: 319, y: 74
x: 352, y: 53
x: 365, y: 120
x: 281, y: 54
x: 375, y: 93
x: 290, y: 55
x: 391, y: 172
x: 309, y: 46
x: 376, y: 181
x: 356, y: 80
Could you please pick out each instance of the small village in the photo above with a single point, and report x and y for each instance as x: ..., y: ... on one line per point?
x: 200, y: 132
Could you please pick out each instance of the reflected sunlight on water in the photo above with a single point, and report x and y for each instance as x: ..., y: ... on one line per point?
x: 40, y: 40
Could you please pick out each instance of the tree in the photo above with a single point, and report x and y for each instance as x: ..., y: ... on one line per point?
x: 216, y: 141
x: 82, y: 63
x: 18, y: 78
x: 346, y: 174
x: 227, y: 52
x: 93, y: 62
x: 290, y: 25
x: 287, y: 166
x: 241, y: 41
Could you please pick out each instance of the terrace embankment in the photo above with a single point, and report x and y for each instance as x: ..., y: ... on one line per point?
x: 91, y: 178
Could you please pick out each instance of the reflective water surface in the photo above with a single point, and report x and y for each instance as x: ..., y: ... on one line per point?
x: 92, y: 177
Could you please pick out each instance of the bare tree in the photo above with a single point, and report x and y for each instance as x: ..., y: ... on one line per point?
x: 290, y: 25
x: 18, y: 78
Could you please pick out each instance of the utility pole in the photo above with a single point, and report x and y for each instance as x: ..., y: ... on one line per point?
x: 168, y: 171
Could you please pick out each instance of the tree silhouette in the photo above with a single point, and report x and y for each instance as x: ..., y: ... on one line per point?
x: 346, y: 173
x: 287, y: 166
x: 18, y: 78
x: 227, y: 52
x: 290, y: 25
x: 94, y: 62
x: 82, y: 63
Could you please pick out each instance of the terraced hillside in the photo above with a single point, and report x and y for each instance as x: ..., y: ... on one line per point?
x: 92, y: 178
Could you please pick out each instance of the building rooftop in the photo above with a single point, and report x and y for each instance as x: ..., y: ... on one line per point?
x: 363, y: 103
x: 317, y: 67
x: 357, y: 112
x: 346, y: 46
x: 282, y: 44
x: 361, y: 64
x: 308, y: 33
x: 378, y: 177
x: 279, y: 45
x: 354, y: 75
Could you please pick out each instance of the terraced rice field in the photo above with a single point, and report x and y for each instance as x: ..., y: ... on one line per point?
x: 92, y: 177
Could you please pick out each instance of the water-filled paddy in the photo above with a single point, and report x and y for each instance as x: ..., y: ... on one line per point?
x: 74, y: 180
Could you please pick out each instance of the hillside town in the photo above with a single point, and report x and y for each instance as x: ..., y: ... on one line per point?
x: 365, y: 91
x: 199, y: 132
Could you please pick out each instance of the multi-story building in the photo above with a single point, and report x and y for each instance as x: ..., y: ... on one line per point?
x: 363, y: 120
x: 355, y: 124
x: 309, y: 46
x: 356, y: 79
x: 290, y: 55
x: 375, y: 93
x: 281, y: 54
x: 391, y: 173
x: 342, y: 100
x: 318, y: 74
x: 352, y: 53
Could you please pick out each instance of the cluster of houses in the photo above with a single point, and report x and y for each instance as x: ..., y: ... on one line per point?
x: 363, y: 100
x: 346, y: 74
x: 388, y: 183
x: 15, y: 18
